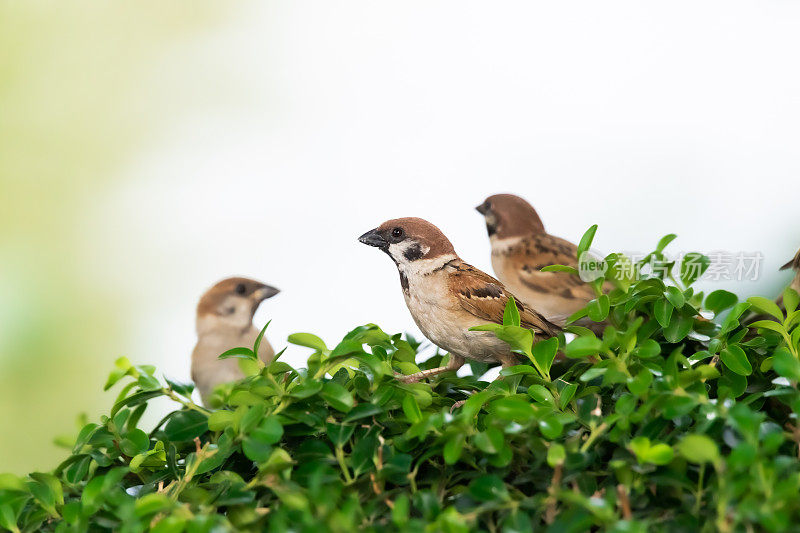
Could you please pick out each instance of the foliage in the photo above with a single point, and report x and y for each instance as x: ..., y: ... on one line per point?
x: 678, y: 417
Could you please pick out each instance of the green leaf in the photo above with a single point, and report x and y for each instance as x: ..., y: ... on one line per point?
x: 648, y: 349
x: 12, y: 483
x: 511, y: 313
x: 519, y: 339
x: 664, y: 242
x: 699, y: 449
x: 401, y: 510
x: 720, y: 300
x: 770, y: 325
x: 186, y: 425
x: 337, y: 396
x: 556, y: 454
x: 679, y: 327
x: 169, y: 524
x: 735, y: 359
x: 583, y: 347
x: 149, y: 458
x: 766, y: 306
x: 309, y: 340
x: 551, y: 427
x: 411, y: 409
x: 786, y: 364
x: 219, y: 420
x: 586, y: 241
x: 256, y: 450
x: 240, y: 353
x: 675, y: 297
x: 339, y: 434
x: 184, y: 389
x: 148, y: 383
x: 512, y: 408
x: 453, y: 448
x: 135, y: 443
x: 362, y: 410
x: 639, y: 384
x: 541, y: 395
x: 488, y: 488
x: 731, y: 321
x: 731, y: 384
x: 489, y: 441
x: 151, y: 504
x: 47, y: 490
x: 544, y: 353
x: 8, y: 517
x: 647, y: 452
x: 790, y: 299
x: 269, y: 431
x: 598, y: 308
x: 693, y: 266
x: 566, y: 394
x: 252, y: 416
x: 662, y: 310
x: 257, y: 343
x: 305, y: 389
x: 561, y: 268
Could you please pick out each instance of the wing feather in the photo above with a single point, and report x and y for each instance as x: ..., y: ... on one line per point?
x: 485, y: 297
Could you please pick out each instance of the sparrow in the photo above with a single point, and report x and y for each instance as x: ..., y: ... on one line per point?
x: 224, y: 321
x: 521, y: 248
x: 446, y: 296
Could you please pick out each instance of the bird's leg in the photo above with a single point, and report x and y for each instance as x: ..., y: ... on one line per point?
x: 506, y: 362
x: 455, y: 362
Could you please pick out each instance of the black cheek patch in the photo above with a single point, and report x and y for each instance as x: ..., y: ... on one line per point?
x: 413, y: 252
x: 404, y: 282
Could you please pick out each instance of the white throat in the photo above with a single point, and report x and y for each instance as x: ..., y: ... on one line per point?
x: 500, y: 246
x: 417, y: 267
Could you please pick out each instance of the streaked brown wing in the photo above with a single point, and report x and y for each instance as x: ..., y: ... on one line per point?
x: 484, y: 297
x: 543, y: 250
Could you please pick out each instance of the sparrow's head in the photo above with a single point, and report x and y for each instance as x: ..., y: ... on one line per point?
x: 411, y: 242
x: 794, y: 263
x: 509, y: 216
x: 234, y: 301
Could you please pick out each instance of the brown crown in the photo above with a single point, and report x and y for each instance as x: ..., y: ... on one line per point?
x: 213, y: 297
x: 423, y: 232
x: 514, y: 217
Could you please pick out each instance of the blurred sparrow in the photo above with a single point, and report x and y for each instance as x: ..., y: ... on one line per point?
x: 795, y: 265
x: 225, y: 321
x: 446, y: 296
x: 521, y: 248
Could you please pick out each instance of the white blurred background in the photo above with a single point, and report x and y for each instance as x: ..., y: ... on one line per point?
x: 262, y: 139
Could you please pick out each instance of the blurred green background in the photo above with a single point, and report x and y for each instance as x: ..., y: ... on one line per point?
x: 77, y: 98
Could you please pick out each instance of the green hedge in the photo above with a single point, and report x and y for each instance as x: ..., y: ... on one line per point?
x: 672, y: 420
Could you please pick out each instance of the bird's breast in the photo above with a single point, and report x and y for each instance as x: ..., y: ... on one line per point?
x: 442, y: 320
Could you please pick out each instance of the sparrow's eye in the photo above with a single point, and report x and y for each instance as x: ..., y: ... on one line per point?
x: 397, y: 233
x: 241, y: 289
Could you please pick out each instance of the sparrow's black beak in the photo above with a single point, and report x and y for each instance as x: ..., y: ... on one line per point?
x: 374, y: 238
x: 482, y: 209
x: 264, y: 292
